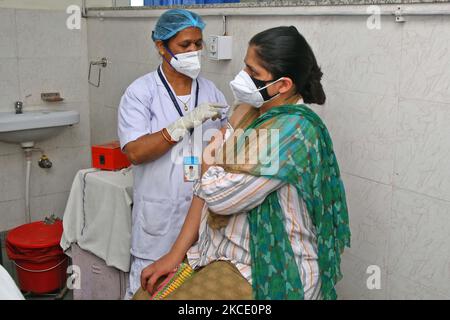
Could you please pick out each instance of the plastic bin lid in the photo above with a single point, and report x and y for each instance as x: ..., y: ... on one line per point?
x: 110, y: 145
x: 36, y: 235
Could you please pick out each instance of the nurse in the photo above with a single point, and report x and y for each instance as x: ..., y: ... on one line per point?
x: 159, y: 116
x: 8, y: 288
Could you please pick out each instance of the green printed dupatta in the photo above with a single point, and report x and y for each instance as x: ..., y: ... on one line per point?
x: 303, y: 152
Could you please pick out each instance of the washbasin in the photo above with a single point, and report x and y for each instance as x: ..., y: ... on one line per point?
x: 31, y: 126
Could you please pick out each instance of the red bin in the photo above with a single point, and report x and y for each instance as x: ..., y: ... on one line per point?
x: 109, y: 156
x: 40, y: 262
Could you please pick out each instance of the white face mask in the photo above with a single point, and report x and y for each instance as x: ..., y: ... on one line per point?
x: 187, y: 63
x: 245, y: 90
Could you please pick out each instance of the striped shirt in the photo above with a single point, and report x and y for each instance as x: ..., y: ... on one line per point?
x: 236, y: 194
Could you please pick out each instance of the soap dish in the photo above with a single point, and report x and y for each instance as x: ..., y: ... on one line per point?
x: 51, y: 97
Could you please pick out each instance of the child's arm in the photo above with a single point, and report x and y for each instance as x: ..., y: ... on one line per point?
x: 187, y: 237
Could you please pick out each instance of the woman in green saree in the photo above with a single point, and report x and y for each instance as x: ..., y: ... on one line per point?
x: 272, y: 204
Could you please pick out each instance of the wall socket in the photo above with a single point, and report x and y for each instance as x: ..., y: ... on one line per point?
x: 220, y: 47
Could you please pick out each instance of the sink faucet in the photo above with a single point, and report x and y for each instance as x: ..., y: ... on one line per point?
x: 18, y: 106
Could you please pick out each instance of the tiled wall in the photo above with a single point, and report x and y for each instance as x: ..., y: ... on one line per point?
x: 39, y: 54
x: 388, y: 109
x: 55, y: 4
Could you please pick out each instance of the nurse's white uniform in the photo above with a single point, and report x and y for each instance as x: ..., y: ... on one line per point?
x: 161, y: 197
x: 8, y: 288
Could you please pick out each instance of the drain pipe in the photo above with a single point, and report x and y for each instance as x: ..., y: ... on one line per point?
x: 44, y: 163
x: 28, y: 153
x: 395, y: 10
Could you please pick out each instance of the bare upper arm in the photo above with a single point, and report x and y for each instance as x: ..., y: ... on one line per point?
x: 238, y: 113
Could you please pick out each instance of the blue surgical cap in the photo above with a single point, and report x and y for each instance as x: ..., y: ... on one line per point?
x: 173, y: 21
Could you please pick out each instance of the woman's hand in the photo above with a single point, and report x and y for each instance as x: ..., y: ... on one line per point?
x: 159, y: 268
x: 187, y: 237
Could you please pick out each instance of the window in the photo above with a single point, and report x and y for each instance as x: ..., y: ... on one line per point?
x: 137, y: 3
x: 181, y: 2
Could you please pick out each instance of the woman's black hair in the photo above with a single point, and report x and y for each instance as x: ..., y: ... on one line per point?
x: 284, y: 52
x: 166, y: 42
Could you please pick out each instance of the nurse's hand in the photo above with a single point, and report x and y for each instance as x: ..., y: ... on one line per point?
x: 159, y: 268
x: 194, y: 118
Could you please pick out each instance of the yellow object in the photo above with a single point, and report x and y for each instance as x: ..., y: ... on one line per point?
x: 173, y: 281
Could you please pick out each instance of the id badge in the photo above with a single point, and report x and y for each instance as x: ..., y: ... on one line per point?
x: 191, y: 166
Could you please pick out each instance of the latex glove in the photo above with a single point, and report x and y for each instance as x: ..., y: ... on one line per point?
x: 194, y: 118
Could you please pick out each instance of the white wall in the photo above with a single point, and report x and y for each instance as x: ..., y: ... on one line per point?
x: 39, y: 54
x: 388, y: 109
x: 51, y: 4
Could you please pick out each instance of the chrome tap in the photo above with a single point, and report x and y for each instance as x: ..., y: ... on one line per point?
x: 18, y: 106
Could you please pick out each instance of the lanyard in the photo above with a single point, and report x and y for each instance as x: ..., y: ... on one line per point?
x: 172, y: 96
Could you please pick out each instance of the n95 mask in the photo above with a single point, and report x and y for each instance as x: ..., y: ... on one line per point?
x: 250, y: 91
x: 187, y: 63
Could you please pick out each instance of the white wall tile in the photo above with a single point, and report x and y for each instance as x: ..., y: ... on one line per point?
x: 117, y: 78
x: 59, y: 5
x: 12, y: 214
x: 44, y: 34
x: 68, y: 76
x: 319, y: 110
x: 355, y: 58
x: 401, y: 288
x: 9, y: 84
x: 105, y: 128
x: 8, y: 41
x: 354, y: 284
x: 369, y: 207
x: 222, y: 67
x: 66, y: 163
x: 95, y: 38
x: 363, y: 129
x: 96, y: 50
x: 9, y: 148
x: 222, y: 83
x: 423, y: 148
x: 135, y: 44
x: 45, y: 206
x: 425, y: 62
x: 84, y: 52
x: 96, y: 94
x: 419, y: 248
x: 214, y: 26
x: 12, y: 181
x: 42, y: 55
x: 76, y: 135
